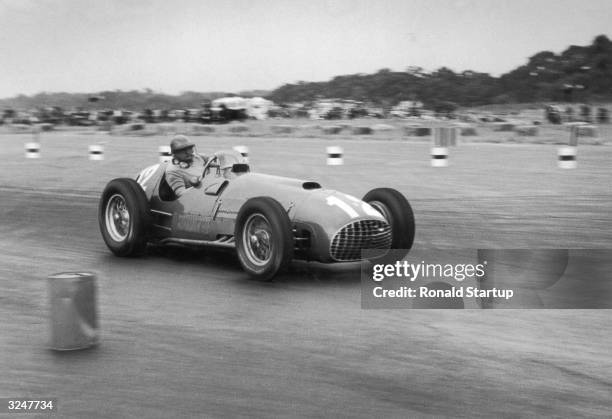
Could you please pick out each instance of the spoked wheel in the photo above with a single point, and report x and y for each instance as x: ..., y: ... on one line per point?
x: 257, y: 239
x: 123, y: 217
x: 263, y: 238
x: 117, y: 218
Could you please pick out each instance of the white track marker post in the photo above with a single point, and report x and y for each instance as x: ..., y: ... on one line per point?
x: 334, y: 156
x: 96, y: 152
x: 439, y: 150
x: 567, y: 157
x: 567, y: 154
x: 244, y: 151
x: 165, y: 155
x: 32, y: 150
x: 439, y: 156
x: 73, y: 313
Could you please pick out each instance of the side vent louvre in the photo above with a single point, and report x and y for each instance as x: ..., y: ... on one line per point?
x: 311, y: 185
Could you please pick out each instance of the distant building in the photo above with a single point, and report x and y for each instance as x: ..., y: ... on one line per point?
x: 407, y: 108
x: 258, y: 108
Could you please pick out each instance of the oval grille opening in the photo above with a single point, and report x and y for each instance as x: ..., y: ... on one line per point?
x: 365, y: 234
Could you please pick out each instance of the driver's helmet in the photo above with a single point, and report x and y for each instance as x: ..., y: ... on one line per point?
x: 180, y: 142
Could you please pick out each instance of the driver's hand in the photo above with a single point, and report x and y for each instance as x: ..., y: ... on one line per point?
x: 195, y: 181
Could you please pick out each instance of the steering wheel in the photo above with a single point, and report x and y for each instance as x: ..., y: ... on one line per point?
x: 209, y: 164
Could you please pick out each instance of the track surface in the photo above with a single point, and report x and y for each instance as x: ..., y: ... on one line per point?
x: 187, y: 335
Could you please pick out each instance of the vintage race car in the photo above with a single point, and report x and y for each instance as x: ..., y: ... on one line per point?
x: 268, y: 220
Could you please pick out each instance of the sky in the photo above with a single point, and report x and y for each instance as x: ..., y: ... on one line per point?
x: 89, y: 46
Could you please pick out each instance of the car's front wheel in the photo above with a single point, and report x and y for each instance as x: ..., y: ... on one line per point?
x: 123, y: 217
x: 263, y: 238
x: 398, y: 213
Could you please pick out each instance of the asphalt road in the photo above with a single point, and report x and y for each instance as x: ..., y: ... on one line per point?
x: 188, y: 335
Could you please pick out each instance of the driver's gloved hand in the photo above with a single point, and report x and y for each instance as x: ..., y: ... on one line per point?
x: 195, y: 181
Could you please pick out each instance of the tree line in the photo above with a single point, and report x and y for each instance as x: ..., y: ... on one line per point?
x: 578, y: 74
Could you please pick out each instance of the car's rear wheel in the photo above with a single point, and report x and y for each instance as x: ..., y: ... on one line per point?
x: 398, y: 213
x: 123, y: 217
x: 263, y: 238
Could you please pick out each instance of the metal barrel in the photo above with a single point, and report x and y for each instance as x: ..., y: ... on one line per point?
x: 73, y: 313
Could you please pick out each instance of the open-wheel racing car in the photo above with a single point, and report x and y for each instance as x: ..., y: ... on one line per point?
x: 268, y: 220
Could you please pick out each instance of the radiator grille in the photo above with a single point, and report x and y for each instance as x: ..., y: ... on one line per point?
x: 365, y: 234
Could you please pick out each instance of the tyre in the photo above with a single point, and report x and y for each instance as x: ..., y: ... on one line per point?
x: 264, y: 240
x: 123, y: 217
x: 398, y: 213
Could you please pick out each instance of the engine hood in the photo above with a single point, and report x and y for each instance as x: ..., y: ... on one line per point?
x: 287, y: 191
x: 305, y: 201
x: 271, y: 180
x: 332, y: 210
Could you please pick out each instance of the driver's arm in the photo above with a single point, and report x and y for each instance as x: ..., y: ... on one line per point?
x: 176, y: 182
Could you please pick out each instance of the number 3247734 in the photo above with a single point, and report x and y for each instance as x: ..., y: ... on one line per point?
x: 16, y: 405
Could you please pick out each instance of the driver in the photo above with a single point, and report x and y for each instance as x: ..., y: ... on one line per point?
x: 187, y: 166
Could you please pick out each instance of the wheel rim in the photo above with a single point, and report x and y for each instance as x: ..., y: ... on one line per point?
x: 117, y: 217
x: 382, y: 208
x: 257, y: 240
